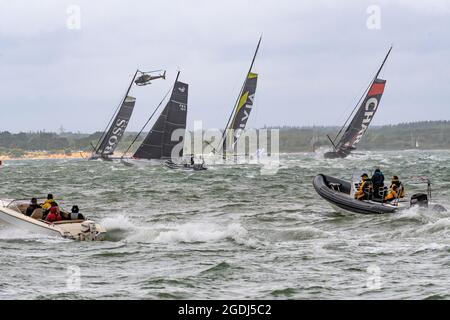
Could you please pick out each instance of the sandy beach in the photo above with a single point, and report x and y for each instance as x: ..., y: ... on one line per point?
x: 45, y: 155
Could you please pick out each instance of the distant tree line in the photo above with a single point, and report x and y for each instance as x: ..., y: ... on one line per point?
x: 425, y: 134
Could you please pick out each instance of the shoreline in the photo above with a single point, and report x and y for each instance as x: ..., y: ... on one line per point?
x: 51, y: 156
x: 47, y: 156
x: 85, y: 155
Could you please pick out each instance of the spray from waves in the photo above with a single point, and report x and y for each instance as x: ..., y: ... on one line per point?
x: 118, y: 222
x: 414, y: 214
x: 202, y: 232
x: 436, y: 227
x: 118, y: 227
x: 422, y: 215
x: 121, y: 228
x: 426, y: 223
x: 123, y: 168
x: 320, y: 152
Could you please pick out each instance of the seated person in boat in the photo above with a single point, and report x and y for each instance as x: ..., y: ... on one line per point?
x: 75, y: 213
x: 396, y: 190
x: 378, y: 183
x: 48, y: 203
x: 33, y: 206
x: 365, y: 188
x: 55, y: 214
x: 395, y: 180
x: 393, y: 193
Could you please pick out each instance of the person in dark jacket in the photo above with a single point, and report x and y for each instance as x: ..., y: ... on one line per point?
x: 378, y: 183
x: 33, y: 206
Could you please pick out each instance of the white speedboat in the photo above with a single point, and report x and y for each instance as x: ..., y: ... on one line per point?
x: 12, y: 212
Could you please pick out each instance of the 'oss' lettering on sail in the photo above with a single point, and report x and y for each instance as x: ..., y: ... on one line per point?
x: 117, y: 133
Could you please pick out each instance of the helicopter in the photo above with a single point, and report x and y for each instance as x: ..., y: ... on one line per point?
x: 145, y: 77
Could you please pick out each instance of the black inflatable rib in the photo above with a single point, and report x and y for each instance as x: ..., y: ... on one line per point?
x: 195, y: 167
x: 337, y: 192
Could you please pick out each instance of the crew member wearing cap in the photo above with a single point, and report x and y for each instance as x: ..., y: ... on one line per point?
x: 365, y: 188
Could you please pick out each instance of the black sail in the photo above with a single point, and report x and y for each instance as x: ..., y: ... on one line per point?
x: 362, y: 118
x: 158, y: 144
x: 113, y: 136
x: 360, y: 122
x: 244, y: 107
x: 241, y: 110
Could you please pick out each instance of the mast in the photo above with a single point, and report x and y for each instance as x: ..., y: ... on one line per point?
x: 382, y: 65
x: 115, y: 112
x: 158, y: 144
x: 223, y: 140
x: 165, y: 122
x: 333, y: 142
x: 145, y: 125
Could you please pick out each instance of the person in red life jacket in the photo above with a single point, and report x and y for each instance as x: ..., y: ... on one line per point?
x: 54, y: 214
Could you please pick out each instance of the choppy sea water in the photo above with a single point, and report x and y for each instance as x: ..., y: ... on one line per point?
x: 228, y: 233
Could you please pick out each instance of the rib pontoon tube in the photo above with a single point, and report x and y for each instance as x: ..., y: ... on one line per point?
x: 195, y: 167
x: 338, y: 193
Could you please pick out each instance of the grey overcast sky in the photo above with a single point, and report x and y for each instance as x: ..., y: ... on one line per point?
x: 315, y: 60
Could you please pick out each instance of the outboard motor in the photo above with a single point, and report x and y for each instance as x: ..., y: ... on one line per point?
x: 419, y: 199
x: 88, y: 231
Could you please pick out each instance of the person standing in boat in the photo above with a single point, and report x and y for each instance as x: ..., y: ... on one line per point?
x: 192, y: 160
x: 365, y: 188
x: 378, y: 184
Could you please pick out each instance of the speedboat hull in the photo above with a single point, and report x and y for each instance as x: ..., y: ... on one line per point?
x: 70, y: 229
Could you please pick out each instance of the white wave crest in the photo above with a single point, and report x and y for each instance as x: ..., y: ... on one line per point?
x: 201, y: 232
x: 118, y: 222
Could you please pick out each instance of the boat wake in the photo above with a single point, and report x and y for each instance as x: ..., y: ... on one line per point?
x: 120, y: 228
